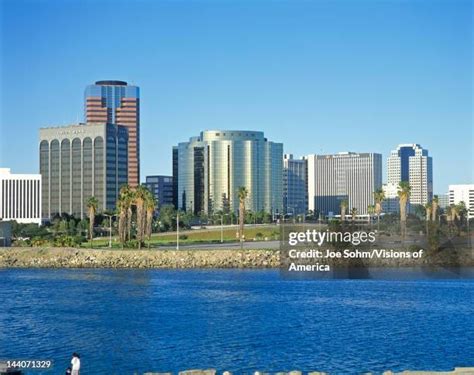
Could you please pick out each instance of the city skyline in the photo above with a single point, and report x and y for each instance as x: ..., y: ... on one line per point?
x: 274, y: 67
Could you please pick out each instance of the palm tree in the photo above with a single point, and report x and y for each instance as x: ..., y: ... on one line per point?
x: 379, y: 197
x: 344, y: 204
x: 92, y: 205
x: 353, y: 214
x: 122, y: 217
x: 124, y: 204
x: 242, y: 193
x: 429, y: 209
x: 461, y: 211
x: 434, y: 207
x: 140, y: 199
x: 151, y: 204
x: 371, y: 212
x: 450, y: 212
x: 404, y: 191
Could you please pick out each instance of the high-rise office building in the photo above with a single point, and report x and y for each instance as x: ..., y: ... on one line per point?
x: 411, y: 163
x: 116, y: 102
x: 80, y: 161
x: 463, y: 193
x: 346, y: 175
x: 295, y: 181
x: 209, y: 170
x: 20, y: 197
x: 162, y: 189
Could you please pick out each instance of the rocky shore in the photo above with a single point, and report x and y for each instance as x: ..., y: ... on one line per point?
x: 49, y: 257
x: 90, y: 258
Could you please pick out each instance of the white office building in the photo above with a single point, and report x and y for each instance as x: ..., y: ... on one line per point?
x: 20, y: 197
x: 411, y: 163
x: 463, y: 193
x: 346, y: 175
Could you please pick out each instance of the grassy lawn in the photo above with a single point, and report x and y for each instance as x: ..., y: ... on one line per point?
x: 197, y: 237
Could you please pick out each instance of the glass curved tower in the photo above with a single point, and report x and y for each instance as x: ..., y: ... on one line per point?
x: 209, y: 170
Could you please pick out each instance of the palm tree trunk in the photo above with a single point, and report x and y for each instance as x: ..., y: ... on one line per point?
x: 403, y: 216
x: 129, y: 223
x: 241, y: 222
x: 91, y: 224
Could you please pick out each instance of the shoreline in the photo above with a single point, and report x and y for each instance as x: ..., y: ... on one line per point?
x: 53, y: 257
x: 151, y: 259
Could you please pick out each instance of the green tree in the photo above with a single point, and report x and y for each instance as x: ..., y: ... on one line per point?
x: 167, y: 217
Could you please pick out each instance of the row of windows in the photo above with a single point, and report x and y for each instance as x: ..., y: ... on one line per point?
x: 20, y: 199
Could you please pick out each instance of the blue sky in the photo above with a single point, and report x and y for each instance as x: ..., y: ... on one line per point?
x: 319, y: 76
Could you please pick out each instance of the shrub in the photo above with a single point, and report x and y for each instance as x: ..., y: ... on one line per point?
x: 132, y: 244
x: 21, y: 243
x: 67, y: 241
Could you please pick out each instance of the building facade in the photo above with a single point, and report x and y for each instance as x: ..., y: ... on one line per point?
x: 209, y: 170
x: 346, y: 175
x: 463, y: 193
x: 391, y: 203
x: 20, y: 197
x: 116, y: 102
x: 443, y: 200
x: 80, y: 161
x: 295, y: 185
x: 162, y: 189
x: 411, y: 163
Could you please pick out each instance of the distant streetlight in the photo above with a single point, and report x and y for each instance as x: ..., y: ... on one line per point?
x: 222, y: 225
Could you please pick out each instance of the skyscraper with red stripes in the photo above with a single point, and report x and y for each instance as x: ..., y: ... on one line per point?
x: 116, y: 102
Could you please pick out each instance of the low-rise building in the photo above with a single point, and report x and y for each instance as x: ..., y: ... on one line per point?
x: 20, y: 197
x: 5, y: 233
x: 463, y: 193
x: 162, y: 189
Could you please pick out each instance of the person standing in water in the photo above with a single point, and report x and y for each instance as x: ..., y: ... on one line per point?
x: 75, y: 363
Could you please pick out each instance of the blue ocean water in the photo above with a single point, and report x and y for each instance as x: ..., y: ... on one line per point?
x: 126, y: 321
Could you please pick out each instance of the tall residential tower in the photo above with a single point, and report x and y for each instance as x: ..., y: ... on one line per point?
x: 116, y: 102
